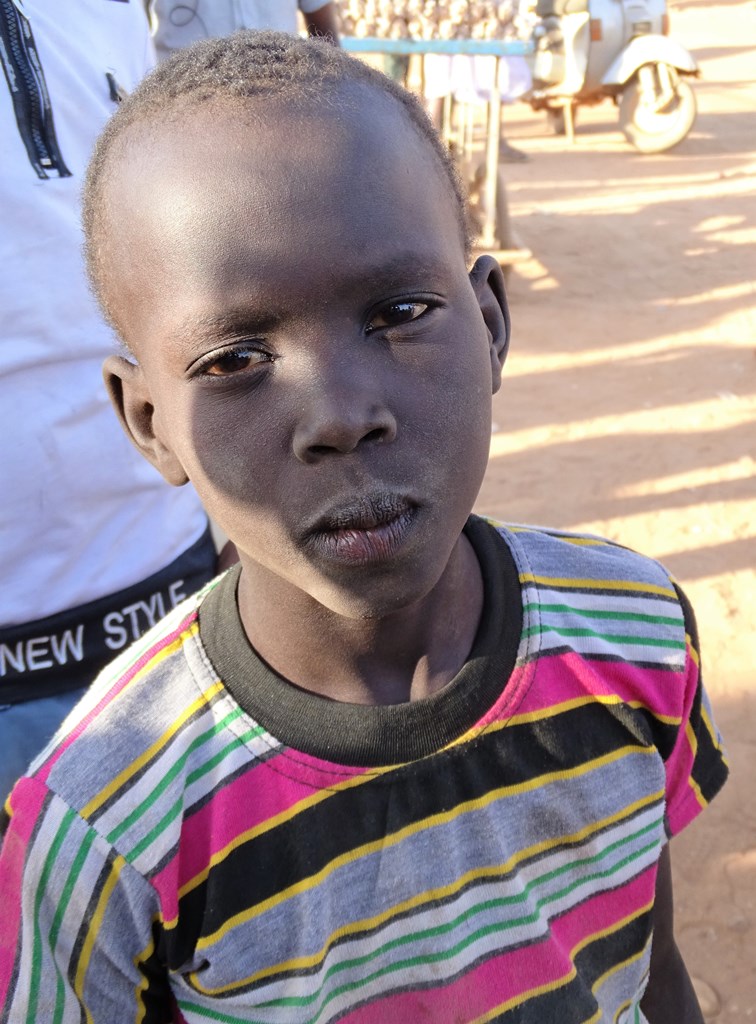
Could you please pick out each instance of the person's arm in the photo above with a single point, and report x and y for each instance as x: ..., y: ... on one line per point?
x: 669, y: 997
x: 323, y: 23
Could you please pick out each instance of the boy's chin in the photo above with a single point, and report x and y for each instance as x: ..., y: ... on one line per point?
x: 376, y: 600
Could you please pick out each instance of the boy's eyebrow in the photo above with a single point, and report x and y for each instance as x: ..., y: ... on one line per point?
x: 402, y: 266
x: 243, y: 320
x: 229, y: 321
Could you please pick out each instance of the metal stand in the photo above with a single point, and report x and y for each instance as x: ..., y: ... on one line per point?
x: 489, y: 238
x: 496, y: 233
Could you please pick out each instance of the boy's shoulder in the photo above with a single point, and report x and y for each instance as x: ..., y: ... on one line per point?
x: 588, y: 596
x: 133, y: 712
x: 568, y: 558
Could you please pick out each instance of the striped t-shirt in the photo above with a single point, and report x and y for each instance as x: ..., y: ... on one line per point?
x: 206, y: 842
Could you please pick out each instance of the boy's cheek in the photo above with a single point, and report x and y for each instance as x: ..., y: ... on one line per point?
x: 219, y: 446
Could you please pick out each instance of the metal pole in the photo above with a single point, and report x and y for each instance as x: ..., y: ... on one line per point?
x: 488, y: 238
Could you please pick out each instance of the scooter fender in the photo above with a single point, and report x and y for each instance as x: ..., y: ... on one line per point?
x: 650, y: 49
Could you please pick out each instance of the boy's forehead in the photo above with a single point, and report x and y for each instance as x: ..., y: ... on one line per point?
x: 349, y: 117
x: 300, y: 144
x: 233, y: 190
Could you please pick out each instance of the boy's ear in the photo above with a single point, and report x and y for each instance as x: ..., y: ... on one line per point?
x: 131, y: 399
x: 487, y: 280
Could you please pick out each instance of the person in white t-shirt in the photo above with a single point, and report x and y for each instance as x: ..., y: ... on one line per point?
x: 177, y: 23
x: 94, y: 546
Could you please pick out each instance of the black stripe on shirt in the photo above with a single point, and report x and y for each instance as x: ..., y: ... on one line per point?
x: 304, y: 845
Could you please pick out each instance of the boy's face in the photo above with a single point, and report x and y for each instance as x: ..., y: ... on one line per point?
x: 313, y: 354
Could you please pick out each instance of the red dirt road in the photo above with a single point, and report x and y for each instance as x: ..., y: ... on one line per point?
x: 628, y: 410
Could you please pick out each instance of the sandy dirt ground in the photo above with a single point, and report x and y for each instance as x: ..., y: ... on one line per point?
x: 628, y: 410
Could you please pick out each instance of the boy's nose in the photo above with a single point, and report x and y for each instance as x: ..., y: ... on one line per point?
x: 339, y: 425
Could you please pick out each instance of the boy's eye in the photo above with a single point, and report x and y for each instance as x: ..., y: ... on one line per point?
x: 234, y: 360
x: 395, y: 314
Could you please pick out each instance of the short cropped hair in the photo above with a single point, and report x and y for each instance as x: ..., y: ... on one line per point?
x: 245, y: 65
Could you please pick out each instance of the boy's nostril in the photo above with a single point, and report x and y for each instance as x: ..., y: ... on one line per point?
x: 341, y: 445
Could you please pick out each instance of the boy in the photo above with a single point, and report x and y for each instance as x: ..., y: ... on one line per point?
x: 400, y: 765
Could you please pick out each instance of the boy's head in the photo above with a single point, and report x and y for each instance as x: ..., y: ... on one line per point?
x: 266, y: 66
x: 279, y: 239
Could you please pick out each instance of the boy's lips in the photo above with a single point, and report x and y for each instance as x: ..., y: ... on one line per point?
x: 370, y: 528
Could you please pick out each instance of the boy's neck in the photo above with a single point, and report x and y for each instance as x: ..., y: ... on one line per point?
x: 401, y: 657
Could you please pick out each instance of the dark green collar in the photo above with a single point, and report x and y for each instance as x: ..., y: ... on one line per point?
x: 371, y: 736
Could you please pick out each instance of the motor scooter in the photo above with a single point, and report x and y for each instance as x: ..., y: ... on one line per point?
x: 588, y: 50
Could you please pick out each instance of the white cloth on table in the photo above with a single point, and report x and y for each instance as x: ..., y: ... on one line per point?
x: 470, y: 79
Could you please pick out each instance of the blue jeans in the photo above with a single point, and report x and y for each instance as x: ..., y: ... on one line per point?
x: 25, y: 728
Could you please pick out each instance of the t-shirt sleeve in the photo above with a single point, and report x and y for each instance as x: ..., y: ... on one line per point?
x: 76, y: 921
x: 696, y: 768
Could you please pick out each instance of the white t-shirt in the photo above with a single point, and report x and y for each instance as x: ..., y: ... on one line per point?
x: 177, y: 23
x: 82, y: 514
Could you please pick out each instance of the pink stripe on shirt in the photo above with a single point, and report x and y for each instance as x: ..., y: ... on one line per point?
x: 255, y: 797
x: 569, y: 676
x: 26, y: 801
x: 509, y: 976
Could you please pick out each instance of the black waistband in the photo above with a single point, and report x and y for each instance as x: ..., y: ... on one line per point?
x: 66, y: 651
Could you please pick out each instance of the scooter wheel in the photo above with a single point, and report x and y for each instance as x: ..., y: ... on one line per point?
x: 649, y: 128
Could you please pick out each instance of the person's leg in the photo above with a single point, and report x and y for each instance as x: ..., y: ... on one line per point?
x: 25, y: 729
x: 396, y: 65
x: 514, y: 80
x: 510, y: 154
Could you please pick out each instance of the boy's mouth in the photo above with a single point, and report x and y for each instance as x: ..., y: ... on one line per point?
x: 370, y: 528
